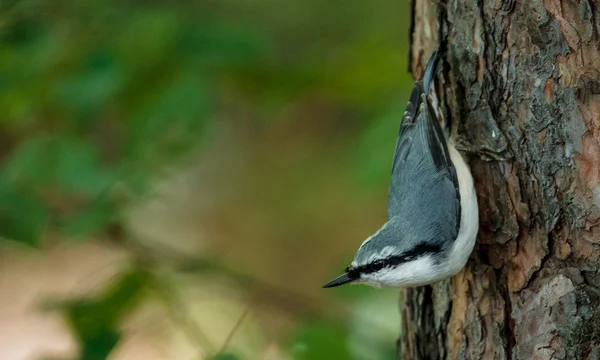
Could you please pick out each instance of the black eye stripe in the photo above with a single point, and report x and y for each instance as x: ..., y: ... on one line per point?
x: 422, y: 249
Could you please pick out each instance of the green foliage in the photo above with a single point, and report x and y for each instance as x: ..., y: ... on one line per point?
x: 22, y: 215
x: 224, y: 357
x: 96, y: 321
x: 91, y: 109
x: 97, y: 94
x: 99, y: 98
x: 321, y: 340
x: 42, y: 169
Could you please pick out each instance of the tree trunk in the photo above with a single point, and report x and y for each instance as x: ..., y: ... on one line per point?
x: 522, y: 86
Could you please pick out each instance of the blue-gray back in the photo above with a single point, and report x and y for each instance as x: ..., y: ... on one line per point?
x: 424, y: 198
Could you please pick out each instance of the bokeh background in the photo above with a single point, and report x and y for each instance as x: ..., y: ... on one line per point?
x: 179, y: 178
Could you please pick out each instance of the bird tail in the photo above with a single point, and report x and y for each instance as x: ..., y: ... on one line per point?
x: 429, y: 90
x: 430, y: 71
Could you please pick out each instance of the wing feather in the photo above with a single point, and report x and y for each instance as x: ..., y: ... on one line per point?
x: 422, y: 172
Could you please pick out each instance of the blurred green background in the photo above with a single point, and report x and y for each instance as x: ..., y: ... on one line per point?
x: 178, y: 179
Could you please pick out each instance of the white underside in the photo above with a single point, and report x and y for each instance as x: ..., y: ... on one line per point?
x: 469, y: 220
x: 424, y: 270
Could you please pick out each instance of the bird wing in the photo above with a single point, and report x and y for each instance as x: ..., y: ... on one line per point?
x: 424, y: 186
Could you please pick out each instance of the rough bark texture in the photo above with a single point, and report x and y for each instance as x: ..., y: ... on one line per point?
x: 522, y: 85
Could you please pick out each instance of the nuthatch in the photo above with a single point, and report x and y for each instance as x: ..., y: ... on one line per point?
x: 432, y: 206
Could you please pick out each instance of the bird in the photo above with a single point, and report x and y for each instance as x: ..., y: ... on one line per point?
x: 433, y: 216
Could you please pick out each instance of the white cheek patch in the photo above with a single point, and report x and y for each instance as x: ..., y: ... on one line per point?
x: 413, y: 273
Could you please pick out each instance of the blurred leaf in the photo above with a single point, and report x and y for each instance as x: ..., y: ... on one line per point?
x: 23, y: 26
x: 168, y: 127
x: 30, y: 163
x: 224, y: 357
x: 148, y: 39
x: 23, y: 88
x: 43, y: 165
x: 89, y: 88
x: 321, y: 340
x: 96, y: 321
x: 71, y: 164
x: 78, y: 169
x: 22, y: 215
x: 91, y: 219
x: 100, y: 345
x: 224, y: 44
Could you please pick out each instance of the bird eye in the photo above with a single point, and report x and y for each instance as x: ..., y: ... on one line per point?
x: 378, y: 265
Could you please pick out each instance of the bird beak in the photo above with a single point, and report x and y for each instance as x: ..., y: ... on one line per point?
x: 340, y: 280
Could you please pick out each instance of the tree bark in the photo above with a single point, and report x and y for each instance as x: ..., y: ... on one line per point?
x: 521, y: 85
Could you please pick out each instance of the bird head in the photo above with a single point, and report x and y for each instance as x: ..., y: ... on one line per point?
x: 390, y: 259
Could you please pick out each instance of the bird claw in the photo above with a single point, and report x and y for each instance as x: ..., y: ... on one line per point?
x: 484, y: 137
x: 482, y: 152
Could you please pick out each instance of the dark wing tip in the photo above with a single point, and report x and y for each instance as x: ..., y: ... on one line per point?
x: 340, y: 280
x: 420, y: 87
x: 430, y: 71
